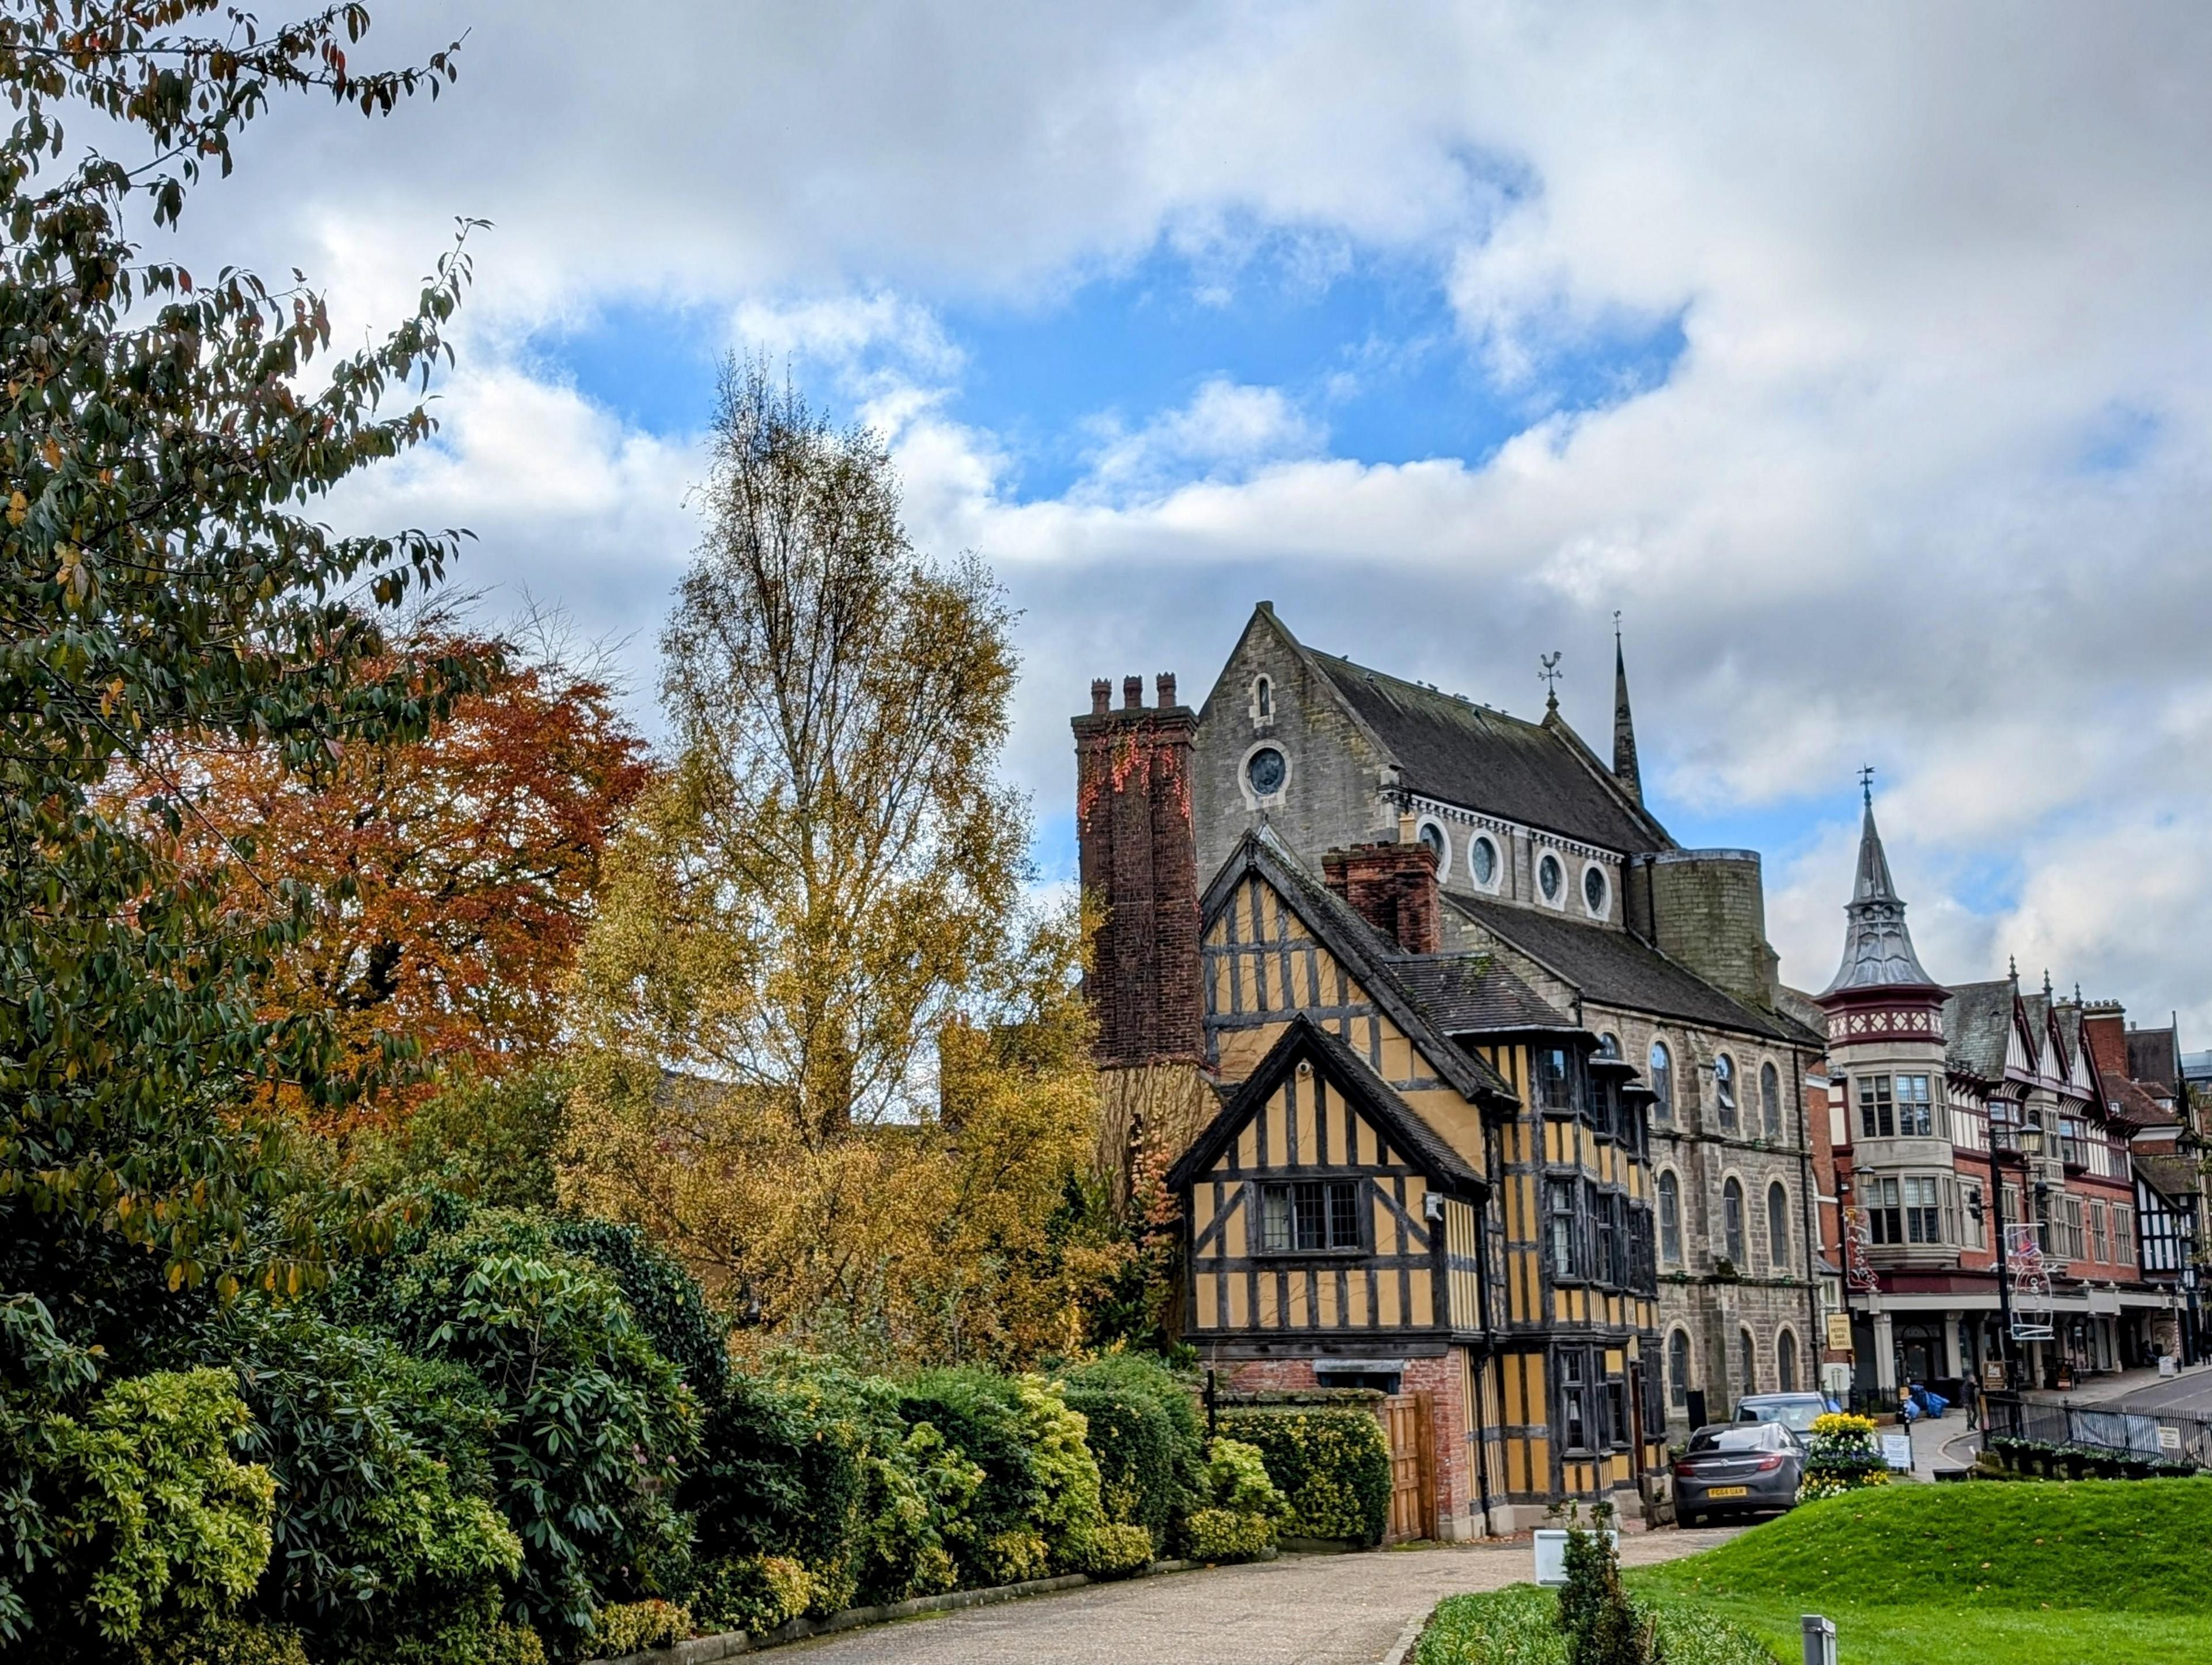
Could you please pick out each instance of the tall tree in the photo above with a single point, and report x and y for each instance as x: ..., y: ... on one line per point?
x: 451, y: 875
x: 159, y: 575
x: 827, y: 1052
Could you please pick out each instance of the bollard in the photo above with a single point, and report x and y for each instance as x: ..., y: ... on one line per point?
x: 1819, y: 1640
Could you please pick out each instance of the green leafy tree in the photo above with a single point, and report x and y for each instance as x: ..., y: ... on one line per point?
x: 161, y: 448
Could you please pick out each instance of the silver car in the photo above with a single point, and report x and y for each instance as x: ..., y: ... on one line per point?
x: 1737, y: 1468
x: 1795, y: 1412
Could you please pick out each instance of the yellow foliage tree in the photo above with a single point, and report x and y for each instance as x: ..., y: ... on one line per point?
x: 825, y: 1052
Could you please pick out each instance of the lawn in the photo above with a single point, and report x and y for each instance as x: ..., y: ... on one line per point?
x: 2087, y: 1572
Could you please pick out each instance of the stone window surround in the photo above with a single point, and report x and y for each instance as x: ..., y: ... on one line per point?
x: 1575, y: 856
x: 1253, y: 800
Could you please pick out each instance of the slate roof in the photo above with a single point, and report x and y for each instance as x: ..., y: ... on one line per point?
x: 1482, y: 759
x: 1470, y: 994
x: 1977, y: 1026
x: 1305, y: 1039
x: 1619, y: 968
x: 1877, y: 948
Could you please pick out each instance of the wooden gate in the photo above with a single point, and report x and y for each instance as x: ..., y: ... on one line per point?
x: 1412, y: 1468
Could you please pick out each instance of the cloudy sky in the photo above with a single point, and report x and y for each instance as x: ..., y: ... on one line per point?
x: 1859, y: 357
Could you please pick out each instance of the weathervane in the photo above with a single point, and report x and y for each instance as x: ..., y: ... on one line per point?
x: 1549, y: 675
x: 1866, y: 784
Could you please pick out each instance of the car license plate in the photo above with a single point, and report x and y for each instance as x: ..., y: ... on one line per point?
x: 1728, y: 1490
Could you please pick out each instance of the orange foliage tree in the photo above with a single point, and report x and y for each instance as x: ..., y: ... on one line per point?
x: 456, y: 873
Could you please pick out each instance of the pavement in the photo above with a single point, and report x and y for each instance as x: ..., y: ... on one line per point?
x: 2146, y: 1392
x: 1296, y: 1610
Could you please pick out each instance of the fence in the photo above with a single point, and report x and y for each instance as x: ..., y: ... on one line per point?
x: 2161, y: 1435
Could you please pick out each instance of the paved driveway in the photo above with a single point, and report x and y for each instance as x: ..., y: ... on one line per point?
x: 1300, y: 1610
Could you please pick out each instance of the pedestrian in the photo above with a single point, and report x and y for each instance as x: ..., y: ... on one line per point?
x: 1970, y: 1391
x: 1907, y: 1409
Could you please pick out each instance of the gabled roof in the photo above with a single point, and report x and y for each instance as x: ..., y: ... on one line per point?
x: 1471, y: 994
x: 2128, y: 1102
x: 1537, y: 774
x: 1366, y: 952
x: 1616, y: 968
x: 1305, y: 1041
x: 1978, y: 1028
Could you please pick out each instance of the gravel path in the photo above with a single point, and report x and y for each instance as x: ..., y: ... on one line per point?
x: 1300, y: 1610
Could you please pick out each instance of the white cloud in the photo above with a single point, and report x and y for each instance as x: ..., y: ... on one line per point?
x: 1920, y: 258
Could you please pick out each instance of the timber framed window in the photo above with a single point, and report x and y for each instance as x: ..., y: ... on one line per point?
x: 1555, y: 1081
x: 1564, y: 1222
x: 1310, y: 1217
x: 1574, y: 1400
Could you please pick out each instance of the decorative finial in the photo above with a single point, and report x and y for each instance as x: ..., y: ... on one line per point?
x: 1549, y: 675
x: 1866, y: 784
x: 1616, y: 627
x: 2046, y: 982
x: 2012, y: 967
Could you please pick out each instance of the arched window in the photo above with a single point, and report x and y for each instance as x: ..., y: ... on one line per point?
x: 1263, y: 700
x: 1670, y: 1219
x: 1662, y: 1082
x: 1785, y: 1362
x: 1748, y: 1360
x: 1777, y: 1227
x: 1770, y: 1100
x: 1678, y: 1367
x: 1608, y: 1045
x: 1724, y: 1092
x: 1732, y: 1222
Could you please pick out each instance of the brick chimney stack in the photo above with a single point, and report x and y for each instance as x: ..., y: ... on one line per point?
x: 1393, y: 887
x: 2105, y: 1028
x: 1138, y: 859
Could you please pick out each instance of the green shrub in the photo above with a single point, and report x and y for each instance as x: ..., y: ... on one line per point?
x: 1147, y: 1378
x: 1601, y: 1625
x: 386, y: 1537
x: 1117, y: 1549
x: 978, y: 1415
x: 593, y: 1424
x: 150, y: 1515
x: 1133, y: 1444
x: 204, y: 1641
x: 1520, y: 1623
x: 1236, y: 1479
x: 630, y: 1627
x: 490, y: 1141
x: 1334, y: 1466
x: 1226, y: 1535
x: 665, y: 1300
x: 755, y: 1594
x: 1067, y: 1513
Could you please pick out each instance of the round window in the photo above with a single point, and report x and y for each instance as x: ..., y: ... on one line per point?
x: 1593, y: 889
x: 1482, y: 861
x: 1549, y: 878
x: 1433, y: 836
x: 1265, y: 769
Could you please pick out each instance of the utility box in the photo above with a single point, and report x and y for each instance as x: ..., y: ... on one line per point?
x: 1552, y: 1555
x: 1819, y: 1640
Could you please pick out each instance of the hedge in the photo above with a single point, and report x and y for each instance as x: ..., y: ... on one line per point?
x: 1333, y: 1466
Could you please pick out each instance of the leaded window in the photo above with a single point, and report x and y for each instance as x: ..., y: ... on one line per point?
x: 1769, y: 1101
x: 1777, y: 1227
x: 1732, y: 1221
x: 1724, y: 1092
x: 1670, y: 1219
x: 1310, y: 1217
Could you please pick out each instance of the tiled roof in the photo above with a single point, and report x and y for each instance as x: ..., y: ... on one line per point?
x: 2128, y: 1102
x: 1976, y: 1025
x: 1470, y: 994
x: 1618, y: 969
x: 1481, y: 759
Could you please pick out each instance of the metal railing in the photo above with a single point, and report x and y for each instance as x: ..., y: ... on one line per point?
x: 2159, y: 1436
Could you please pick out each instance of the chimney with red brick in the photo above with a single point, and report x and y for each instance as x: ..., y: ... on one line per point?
x: 1139, y: 859
x: 2105, y: 1027
x: 1393, y: 887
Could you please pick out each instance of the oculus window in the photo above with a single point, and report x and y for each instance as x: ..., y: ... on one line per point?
x: 1266, y: 770
x: 1311, y: 1218
x: 1551, y: 877
x: 1594, y: 889
x: 1482, y: 861
x: 1433, y: 836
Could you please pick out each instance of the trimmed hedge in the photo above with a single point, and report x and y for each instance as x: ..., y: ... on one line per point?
x: 1333, y: 1466
x: 1134, y: 1446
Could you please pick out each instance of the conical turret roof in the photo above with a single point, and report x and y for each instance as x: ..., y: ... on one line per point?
x: 1877, y: 948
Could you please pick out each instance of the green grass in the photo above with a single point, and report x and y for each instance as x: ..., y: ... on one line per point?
x: 1519, y: 1626
x: 2087, y: 1572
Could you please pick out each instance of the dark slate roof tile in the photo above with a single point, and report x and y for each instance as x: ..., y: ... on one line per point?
x: 1470, y: 994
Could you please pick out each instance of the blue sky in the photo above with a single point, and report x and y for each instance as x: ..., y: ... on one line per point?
x: 1858, y: 354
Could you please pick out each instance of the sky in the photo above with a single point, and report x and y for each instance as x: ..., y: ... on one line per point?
x: 1858, y: 356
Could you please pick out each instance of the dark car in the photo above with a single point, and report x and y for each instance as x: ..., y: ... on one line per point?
x: 1737, y: 1468
x: 1795, y: 1412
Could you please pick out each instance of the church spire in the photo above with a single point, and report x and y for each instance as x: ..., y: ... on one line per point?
x: 1624, y: 725
x: 1877, y: 948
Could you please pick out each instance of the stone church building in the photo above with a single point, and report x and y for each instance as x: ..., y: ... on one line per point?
x: 1481, y: 1081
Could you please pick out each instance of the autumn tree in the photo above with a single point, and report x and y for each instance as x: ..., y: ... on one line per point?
x: 827, y: 1052
x: 450, y: 875
x: 163, y: 442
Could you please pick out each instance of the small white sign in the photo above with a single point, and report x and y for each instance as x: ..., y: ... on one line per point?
x: 2168, y: 1366
x: 2169, y: 1438
x: 1897, y: 1450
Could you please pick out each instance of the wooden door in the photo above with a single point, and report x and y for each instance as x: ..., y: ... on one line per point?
x: 1412, y: 1468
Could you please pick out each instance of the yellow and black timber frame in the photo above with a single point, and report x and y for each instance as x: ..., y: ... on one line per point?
x: 1423, y: 1178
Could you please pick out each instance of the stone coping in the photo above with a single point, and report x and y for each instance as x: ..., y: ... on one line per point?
x: 702, y: 1650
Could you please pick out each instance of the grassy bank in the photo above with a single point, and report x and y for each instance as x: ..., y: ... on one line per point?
x: 2062, y: 1573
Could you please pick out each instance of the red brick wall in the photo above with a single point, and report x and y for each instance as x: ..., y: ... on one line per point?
x: 1394, y: 888
x: 1444, y: 1381
x: 1139, y: 859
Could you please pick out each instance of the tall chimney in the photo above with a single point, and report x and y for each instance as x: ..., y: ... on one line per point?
x: 1138, y: 857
